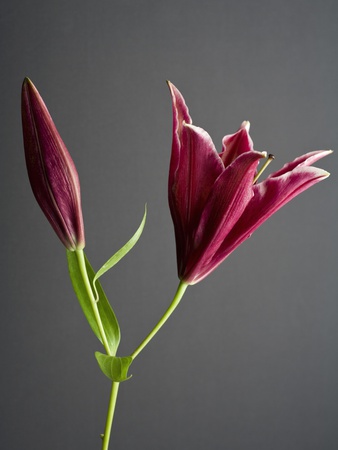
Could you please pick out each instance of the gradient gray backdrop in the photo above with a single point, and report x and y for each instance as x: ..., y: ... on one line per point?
x: 250, y: 359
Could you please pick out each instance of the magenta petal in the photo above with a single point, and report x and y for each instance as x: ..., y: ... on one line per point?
x: 199, y: 167
x: 227, y: 200
x: 194, y: 167
x: 180, y: 116
x: 269, y: 197
x: 236, y: 144
x: 52, y: 173
x: 305, y: 160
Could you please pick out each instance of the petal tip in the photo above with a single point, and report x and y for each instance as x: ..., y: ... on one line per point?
x: 246, y: 124
x: 170, y: 86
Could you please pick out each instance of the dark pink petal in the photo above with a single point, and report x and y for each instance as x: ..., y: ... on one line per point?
x: 180, y: 116
x: 230, y: 194
x: 269, y: 197
x: 52, y: 173
x: 236, y: 144
x: 305, y: 160
x: 194, y: 167
x: 199, y: 167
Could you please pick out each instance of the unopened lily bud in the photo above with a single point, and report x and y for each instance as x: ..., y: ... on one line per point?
x: 51, y: 170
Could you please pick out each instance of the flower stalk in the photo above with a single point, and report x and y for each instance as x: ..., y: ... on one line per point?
x: 115, y: 385
x: 173, y: 305
x: 110, y: 415
x: 86, y: 282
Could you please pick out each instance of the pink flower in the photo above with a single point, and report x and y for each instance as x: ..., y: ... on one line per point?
x: 214, y: 200
x: 52, y: 173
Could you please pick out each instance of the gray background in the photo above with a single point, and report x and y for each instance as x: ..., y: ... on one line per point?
x: 250, y: 359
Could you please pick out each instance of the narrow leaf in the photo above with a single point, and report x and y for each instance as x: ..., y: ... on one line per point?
x: 120, y: 253
x: 108, y: 318
x: 114, y: 367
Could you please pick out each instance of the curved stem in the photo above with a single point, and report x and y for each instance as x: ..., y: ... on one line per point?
x: 110, y: 415
x: 82, y: 265
x: 176, y: 300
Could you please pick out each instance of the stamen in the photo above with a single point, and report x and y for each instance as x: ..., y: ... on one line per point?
x: 265, y: 165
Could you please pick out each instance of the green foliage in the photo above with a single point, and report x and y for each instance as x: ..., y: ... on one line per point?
x: 114, y: 367
x: 91, y: 296
x: 120, y: 253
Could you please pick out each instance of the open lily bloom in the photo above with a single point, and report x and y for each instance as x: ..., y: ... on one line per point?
x: 214, y: 199
x: 51, y: 170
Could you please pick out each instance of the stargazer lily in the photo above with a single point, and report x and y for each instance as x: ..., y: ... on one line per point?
x: 51, y: 170
x: 215, y: 200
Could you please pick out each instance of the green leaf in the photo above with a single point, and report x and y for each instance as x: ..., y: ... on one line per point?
x: 120, y: 253
x: 108, y: 318
x: 114, y: 367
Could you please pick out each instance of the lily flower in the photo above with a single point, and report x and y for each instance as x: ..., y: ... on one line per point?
x: 51, y: 170
x: 215, y: 200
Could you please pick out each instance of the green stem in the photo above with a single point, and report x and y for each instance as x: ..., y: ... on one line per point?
x: 176, y: 300
x: 110, y: 415
x: 82, y: 265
